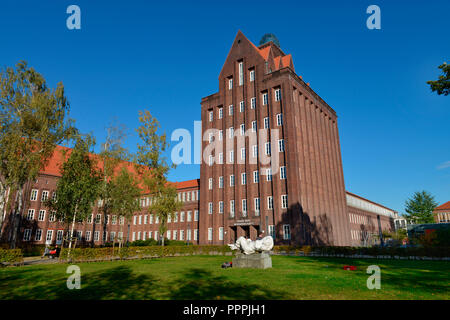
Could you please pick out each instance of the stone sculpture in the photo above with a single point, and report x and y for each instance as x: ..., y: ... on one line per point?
x: 248, y: 246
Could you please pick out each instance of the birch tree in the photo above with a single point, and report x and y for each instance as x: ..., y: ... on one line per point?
x: 33, y: 120
x: 78, y: 188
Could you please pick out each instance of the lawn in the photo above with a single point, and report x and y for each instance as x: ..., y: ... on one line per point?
x: 201, y: 277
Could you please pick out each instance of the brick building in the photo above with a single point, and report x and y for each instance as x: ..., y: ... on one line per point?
x: 442, y: 213
x: 271, y: 165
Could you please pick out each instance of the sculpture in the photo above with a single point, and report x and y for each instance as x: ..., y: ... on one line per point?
x: 248, y: 246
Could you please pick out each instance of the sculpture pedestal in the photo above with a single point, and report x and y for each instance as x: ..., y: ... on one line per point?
x: 255, y: 260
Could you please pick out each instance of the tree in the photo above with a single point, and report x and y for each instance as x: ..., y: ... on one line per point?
x: 78, y: 187
x: 33, y: 120
x: 112, y: 154
x: 420, y: 207
x: 164, y: 204
x: 124, y: 192
x: 153, y: 168
x: 442, y: 86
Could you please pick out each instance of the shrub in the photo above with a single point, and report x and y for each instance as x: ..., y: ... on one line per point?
x: 10, y: 256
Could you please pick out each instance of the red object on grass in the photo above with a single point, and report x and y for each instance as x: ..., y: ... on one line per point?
x: 351, y: 268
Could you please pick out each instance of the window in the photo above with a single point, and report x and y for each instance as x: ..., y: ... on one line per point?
x: 266, y: 123
x: 188, y: 235
x: 112, y: 236
x: 269, y: 174
x: 34, y: 194
x: 182, y: 216
x: 230, y: 110
x: 133, y: 237
x: 282, y: 172
x: 264, y: 98
x: 195, y: 234
x: 278, y: 95
x: 140, y: 220
x: 145, y: 219
x: 44, y: 196
x: 211, y: 116
x: 221, y: 182
x: 169, y: 218
x: 210, y: 209
x: 230, y: 84
x: 196, y: 215
x: 272, y: 231
x: 220, y: 113
x: 220, y: 135
x: 30, y: 215
x: 243, y: 178
x: 105, y: 236
x: 232, y: 180
x: 279, y: 119
x: 255, y: 176
x: 220, y: 233
x: 88, y: 235
x: 27, y: 235
x: 281, y: 145
x: 231, y: 132
x: 211, y: 160
x: 156, y: 219
x: 168, y: 234
x: 38, y: 236
x: 49, y: 236
x: 242, y: 126
x: 210, y: 181
x: 151, y: 219
x: 241, y: 106
x: 232, y: 208
x: 244, y: 207
x: 52, y: 217
x: 120, y: 235
x: 241, y: 73
x: 97, y: 235
x: 150, y: 234
x: 252, y: 75
x: 270, y: 202
x: 254, y: 126
x: 210, y: 137
x: 220, y: 206
x: 134, y: 220
x: 253, y: 103
x: 284, y: 201
x: 267, y: 148
x: 59, y: 236
x: 193, y: 195
x: 256, y: 205
x: 255, y: 150
x: 189, y: 216
x: 242, y: 153
x: 176, y: 217
x: 41, y: 216
x: 231, y: 156
x: 54, y: 196
x: 121, y: 220
x: 210, y: 234
x: 181, y: 234
x: 286, y: 232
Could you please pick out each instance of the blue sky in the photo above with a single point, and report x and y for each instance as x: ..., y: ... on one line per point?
x: 165, y: 56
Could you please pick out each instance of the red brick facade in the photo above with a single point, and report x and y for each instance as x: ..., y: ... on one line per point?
x: 303, y: 201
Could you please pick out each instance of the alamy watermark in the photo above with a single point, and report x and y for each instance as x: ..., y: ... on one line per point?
x: 74, y: 280
x: 374, y: 281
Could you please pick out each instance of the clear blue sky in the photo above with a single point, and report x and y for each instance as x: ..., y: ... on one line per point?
x: 165, y: 56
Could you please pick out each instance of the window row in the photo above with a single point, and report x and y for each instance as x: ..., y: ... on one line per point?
x: 244, y: 208
x: 268, y: 174
x: 44, y: 195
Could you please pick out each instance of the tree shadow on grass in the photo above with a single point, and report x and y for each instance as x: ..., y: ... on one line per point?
x: 199, y: 284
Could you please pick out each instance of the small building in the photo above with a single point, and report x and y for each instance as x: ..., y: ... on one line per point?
x: 442, y: 213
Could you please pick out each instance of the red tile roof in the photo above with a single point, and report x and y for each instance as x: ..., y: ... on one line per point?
x: 444, y: 206
x: 53, y: 167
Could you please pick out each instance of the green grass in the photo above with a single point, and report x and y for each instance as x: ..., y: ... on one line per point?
x: 201, y: 277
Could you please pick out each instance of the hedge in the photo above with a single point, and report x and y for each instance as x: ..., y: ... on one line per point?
x: 94, y: 254
x: 437, y: 252
x: 11, y: 256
